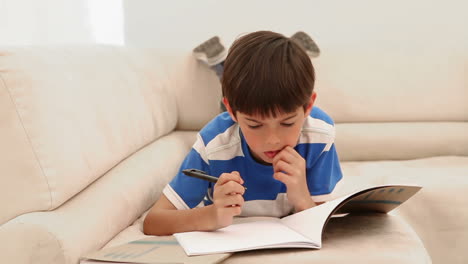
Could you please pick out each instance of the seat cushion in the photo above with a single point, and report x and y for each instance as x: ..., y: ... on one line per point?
x: 444, y: 180
x: 438, y: 212
x: 357, y: 237
x: 377, y: 238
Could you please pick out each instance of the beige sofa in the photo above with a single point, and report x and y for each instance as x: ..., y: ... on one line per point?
x: 90, y: 135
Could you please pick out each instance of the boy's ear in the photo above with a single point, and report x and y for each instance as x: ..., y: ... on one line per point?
x: 229, y: 109
x: 311, y: 103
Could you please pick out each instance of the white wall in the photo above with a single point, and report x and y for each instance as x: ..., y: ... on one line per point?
x: 408, y: 49
x: 425, y: 25
x: 32, y: 22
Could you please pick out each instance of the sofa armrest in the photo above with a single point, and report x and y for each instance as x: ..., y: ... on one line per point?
x: 90, y: 219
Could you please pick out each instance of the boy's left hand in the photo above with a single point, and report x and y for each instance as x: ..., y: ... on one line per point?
x: 289, y: 168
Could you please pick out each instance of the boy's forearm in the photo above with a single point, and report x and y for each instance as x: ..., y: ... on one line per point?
x: 167, y: 222
x: 305, y: 204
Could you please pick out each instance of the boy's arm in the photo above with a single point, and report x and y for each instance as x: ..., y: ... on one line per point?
x: 165, y: 219
x: 290, y: 168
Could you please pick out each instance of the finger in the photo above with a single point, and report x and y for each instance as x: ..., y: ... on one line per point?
x: 226, y: 177
x: 282, y: 177
x: 282, y: 166
x: 232, y: 187
x: 276, y: 164
x: 292, y: 151
x: 285, y: 155
x: 237, y: 173
x: 232, y: 211
x: 232, y: 200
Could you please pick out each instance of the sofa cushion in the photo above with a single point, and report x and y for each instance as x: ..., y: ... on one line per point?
x: 367, y: 85
x: 352, y: 237
x: 69, y: 114
x: 392, y: 85
x: 400, y: 140
x: 197, y: 89
x: 437, y: 213
x: 90, y: 219
x: 375, y: 238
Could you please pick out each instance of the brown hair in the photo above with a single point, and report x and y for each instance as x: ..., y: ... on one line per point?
x: 267, y: 73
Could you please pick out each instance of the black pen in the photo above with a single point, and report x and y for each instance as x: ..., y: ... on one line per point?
x: 200, y: 175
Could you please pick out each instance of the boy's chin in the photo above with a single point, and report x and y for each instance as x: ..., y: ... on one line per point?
x: 263, y: 160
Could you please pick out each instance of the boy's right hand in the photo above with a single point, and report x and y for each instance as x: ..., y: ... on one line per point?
x: 227, y: 198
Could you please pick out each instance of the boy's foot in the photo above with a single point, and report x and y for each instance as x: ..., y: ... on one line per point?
x: 211, y: 51
x: 307, y: 43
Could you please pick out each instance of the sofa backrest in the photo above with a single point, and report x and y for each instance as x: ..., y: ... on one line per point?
x: 69, y: 114
x: 197, y: 90
x: 396, y: 104
x: 387, y: 104
x: 393, y: 86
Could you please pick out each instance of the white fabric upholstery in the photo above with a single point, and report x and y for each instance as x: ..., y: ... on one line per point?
x: 109, y: 205
x: 355, y: 239
x: 438, y: 212
x: 375, y: 85
x: 400, y: 140
x: 368, y: 239
x: 72, y: 114
x: 198, y: 92
x: 89, y: 137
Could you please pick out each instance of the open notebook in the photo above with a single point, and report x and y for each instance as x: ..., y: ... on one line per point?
x: 300, y: 230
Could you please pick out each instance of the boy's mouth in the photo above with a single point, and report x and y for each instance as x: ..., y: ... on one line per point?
x: 271, y: 154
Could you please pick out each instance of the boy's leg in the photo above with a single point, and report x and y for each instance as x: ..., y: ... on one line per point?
x: 307, y: 43
x: 212, y: 53
x: 219, y: 69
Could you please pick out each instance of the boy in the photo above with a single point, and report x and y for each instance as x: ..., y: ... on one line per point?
x: 271, y: 140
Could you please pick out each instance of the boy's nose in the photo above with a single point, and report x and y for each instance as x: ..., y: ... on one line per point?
x: 272, y: 139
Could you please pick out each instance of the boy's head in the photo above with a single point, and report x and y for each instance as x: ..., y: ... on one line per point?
x: 268, y: 83
x: 266, y: 73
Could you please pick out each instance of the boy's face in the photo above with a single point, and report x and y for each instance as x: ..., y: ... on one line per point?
x: 267, y: 136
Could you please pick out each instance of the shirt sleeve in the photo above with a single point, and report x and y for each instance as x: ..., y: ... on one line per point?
x: 186, y: 192
x: 324, y: 174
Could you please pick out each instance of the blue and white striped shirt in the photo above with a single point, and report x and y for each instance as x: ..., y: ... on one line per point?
x: 220, y: 147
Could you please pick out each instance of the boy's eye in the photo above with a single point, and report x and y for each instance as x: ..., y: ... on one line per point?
x: 287, y: 124
x: 254, y: 126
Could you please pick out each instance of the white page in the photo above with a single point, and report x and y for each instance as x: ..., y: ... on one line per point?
x: 303, y: 229
x: 239, y: 237
x: 310, y: 222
